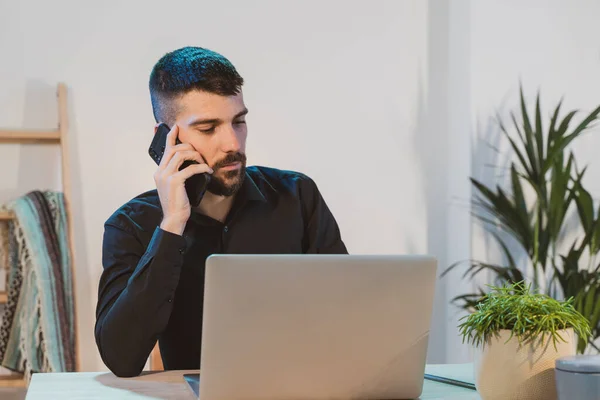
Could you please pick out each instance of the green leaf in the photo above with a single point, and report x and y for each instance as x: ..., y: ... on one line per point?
x: 562, y: 143
x: 585, y: 205
x: 499, y: 205
x: 595, y: 242
x: 552, y: 128
x: 589, y: 303
x: 539, y: 135
x: 515, y: 147
x: 529, y: 141
x: 528, y: 316
x: 519, y: 197
x: 561, y: 196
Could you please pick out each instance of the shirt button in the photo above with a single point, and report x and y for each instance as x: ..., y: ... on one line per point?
x: 170, y: 299
x: 226, y: 229
x: 181, y: 250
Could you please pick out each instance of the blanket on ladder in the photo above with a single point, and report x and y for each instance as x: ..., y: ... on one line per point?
x: 38, y: 331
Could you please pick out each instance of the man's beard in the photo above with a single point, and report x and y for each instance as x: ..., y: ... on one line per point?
x: 231, y: 181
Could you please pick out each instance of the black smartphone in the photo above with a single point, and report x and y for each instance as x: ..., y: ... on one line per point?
x: 195, y: 185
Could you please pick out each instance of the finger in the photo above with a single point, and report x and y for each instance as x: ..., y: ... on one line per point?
x: 179, y: 147
x: 193, y: 170
x: 171, y: 142
x: 170, y: 152
x: 172, y: 136
x: 180, y: 157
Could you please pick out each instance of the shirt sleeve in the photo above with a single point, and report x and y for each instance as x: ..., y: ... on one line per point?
x: 135, y: 295
x: 321, y: 233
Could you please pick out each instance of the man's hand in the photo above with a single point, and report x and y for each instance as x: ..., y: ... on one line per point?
x: 170, y: 181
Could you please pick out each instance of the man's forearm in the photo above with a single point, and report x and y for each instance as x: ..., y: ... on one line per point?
x: 128, y: 327
x: 129, y: 330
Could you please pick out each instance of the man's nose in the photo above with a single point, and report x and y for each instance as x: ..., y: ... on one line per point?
x: 230, y: 141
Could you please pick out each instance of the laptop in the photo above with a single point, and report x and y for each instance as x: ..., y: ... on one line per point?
x: 315, y: 327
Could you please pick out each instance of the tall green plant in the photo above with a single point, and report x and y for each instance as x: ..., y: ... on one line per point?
x: 544, y: 166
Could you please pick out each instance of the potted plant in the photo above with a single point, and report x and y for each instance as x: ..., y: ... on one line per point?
x: 541, y: 217
x: 517, y: 336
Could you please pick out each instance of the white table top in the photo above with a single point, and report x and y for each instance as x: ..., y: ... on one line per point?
x: 171, y: 385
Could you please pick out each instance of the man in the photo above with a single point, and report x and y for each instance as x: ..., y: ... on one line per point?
x: 155, y: 246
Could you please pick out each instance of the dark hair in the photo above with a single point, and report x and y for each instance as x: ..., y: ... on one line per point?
x: 187, y: 69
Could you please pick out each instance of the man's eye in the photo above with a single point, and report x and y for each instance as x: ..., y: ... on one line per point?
x: 239, y: 122
x: 210, y: 130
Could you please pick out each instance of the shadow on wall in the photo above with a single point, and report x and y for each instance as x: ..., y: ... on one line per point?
x: 426, y: 150
x: 431, y: 145
x: 38, y: 165
x: 490, y: 165
x: 491, y: 160
x: 85, y: 294
x: 39, y: 168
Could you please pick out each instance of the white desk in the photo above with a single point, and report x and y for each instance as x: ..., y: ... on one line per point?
x: 171, y: 385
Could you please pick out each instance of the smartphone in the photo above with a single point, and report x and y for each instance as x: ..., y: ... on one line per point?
x: 195, y: 185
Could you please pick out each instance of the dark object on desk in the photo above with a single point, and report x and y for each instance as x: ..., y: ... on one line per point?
x: 193, y: 381
x: 449, y: 381
x: 578, y: 377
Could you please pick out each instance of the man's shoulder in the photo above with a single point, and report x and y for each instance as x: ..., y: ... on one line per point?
x: 279, y: 179
x: 142, y: 211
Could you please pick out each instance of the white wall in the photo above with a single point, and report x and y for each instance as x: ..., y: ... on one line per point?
x: 344, y: 91
x: 550, y: 45
x: 383, y: 103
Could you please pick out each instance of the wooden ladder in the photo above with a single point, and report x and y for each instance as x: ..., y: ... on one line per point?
x: 54, y: 137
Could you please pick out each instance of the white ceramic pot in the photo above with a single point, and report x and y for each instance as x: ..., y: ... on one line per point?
x: 510, y: 371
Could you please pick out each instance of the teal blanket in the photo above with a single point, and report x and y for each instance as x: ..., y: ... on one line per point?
x: 38, y: 326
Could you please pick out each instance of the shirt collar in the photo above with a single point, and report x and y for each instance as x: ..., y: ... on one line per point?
x: 250, y: 190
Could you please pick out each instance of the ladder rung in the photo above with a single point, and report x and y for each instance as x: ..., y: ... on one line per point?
x: 15, y: 381
x: 6, y: 216
x: 25, y: 136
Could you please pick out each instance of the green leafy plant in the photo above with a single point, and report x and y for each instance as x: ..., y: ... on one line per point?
x: 544, y: 167
x: 530, y: 317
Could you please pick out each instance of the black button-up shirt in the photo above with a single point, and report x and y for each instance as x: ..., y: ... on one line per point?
x: 153, y: 281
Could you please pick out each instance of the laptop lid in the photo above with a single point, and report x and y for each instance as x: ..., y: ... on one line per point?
x: 316, y: 326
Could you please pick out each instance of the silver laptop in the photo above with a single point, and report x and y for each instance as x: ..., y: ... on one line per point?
x: 315, y: 326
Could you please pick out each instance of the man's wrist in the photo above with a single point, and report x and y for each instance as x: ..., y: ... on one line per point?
x: 176, y: 227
